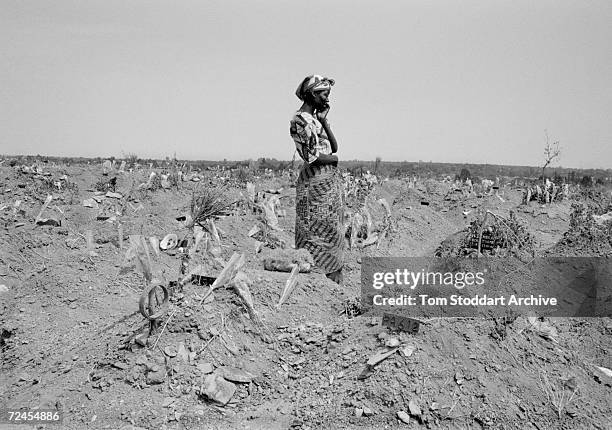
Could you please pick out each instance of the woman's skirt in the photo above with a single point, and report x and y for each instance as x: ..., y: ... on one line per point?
x: 319, y: 213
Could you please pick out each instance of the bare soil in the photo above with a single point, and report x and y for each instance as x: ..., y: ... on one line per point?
x: 67, y: 317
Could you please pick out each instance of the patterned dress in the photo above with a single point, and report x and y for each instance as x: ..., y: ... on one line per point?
x: 319, y: 205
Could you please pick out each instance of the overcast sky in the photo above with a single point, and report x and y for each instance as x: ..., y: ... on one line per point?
x: 450, y: 81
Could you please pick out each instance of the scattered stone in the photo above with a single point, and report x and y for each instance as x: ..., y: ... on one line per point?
x: 182, y: 353
x: 392, y: 342
x: 170, y: 351
x: 3, y: 289
x: 120, y: 365
x: 367, y: 411
x: 414, y: 409
x: 141, y: 339
x: 205, y: 368
x: 366, y: 372
x: 459, y: 378
x: 299, y: 361
x: 358, y: 412
x: 216, y: 388
x: 236, y: 375
x: 408, y: 350
x: 156, y: 377
x: 403, y: 417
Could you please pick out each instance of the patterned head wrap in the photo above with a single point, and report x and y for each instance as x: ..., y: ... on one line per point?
x: 313, y: 83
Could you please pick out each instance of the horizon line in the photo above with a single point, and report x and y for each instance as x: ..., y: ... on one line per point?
x: 609, y: 169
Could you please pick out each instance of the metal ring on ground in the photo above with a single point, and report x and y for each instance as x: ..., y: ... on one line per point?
x: 145, y: 304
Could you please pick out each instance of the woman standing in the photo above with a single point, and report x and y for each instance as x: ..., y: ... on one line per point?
x: 319, y: 206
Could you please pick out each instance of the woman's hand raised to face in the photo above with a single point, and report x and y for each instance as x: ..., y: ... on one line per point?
x: 322, y: 114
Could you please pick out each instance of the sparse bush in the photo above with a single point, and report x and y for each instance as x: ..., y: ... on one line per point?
x: 561, y: 394
x: 209, y: 202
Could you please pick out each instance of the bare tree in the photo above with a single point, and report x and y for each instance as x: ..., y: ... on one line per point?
x: 551, y: 152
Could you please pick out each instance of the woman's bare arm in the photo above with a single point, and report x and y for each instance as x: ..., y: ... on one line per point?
x: 330, y: 135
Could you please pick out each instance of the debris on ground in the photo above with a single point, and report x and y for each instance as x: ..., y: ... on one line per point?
x: 403, y: 417
x: 289, y: 285
x: 217, y: 389
x: 223, y: 352
x: 283, y: 260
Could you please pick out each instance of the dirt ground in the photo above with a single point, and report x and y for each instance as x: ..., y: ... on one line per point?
x: 69, y: 316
